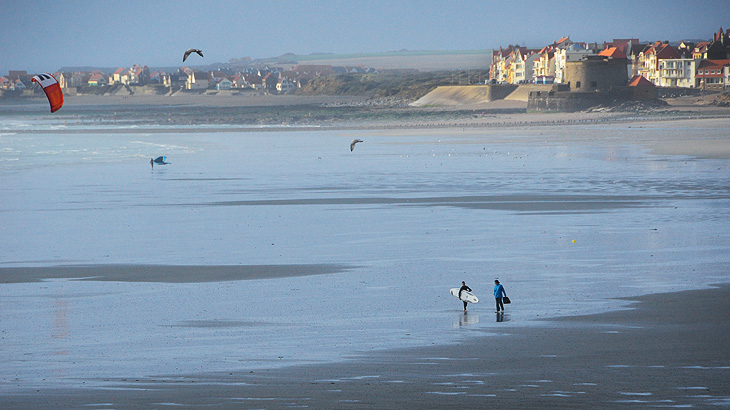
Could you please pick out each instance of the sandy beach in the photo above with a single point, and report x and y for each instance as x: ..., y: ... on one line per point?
x: 667, y: 350
x: 268, y: 266
x: 256, y: 112
x: 278, y: 206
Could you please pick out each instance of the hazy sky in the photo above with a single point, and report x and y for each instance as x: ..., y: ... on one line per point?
x: 37, y: 35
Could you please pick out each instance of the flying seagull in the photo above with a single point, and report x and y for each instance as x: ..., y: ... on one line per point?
x: 192, y: 50
x: 352, y: 144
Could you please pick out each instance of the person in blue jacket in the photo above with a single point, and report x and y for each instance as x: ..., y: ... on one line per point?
x: 498, y: 294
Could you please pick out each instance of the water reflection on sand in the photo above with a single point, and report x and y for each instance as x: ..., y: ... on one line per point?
x: 263, y: 250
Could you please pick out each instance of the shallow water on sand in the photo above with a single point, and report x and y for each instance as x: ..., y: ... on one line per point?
x: 565, y: 217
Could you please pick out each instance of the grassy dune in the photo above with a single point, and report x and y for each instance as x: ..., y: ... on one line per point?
x: 408, y: 86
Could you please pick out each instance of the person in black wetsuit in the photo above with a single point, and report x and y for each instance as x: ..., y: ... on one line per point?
x: 464, y: 288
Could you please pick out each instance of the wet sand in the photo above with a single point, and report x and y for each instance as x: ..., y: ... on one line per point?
x: 669, y: 351
x: 244, y: 112
x: 164, y: 273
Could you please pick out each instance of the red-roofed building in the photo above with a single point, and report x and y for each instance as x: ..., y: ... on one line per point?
x: 116, y: 76
x: 650, y: 57
x: 269, y: 81
x: 97, y: 79
x: 502, y: 59
x: 623, y: 44
x: 551, y: 60
x: 710, y: 74
x: 612, y: 52
x: 544, y: 65
x: 519, y: 66
x: 514, y: 65
x: 616, y: 53
x: 642, y: 88
x: 238, y: 81
x: 639, y: 81
x: 156, y: 77
x: 700, y: 50
x: 222, y: 83
x: 139, y: 75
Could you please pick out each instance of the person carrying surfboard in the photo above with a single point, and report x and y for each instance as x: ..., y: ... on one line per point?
x: 464, y: 288
x: 498, y: 294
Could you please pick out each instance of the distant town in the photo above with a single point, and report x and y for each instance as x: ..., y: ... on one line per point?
x: 686, y: 65
x: 138, y: 78
x: 579, y: 66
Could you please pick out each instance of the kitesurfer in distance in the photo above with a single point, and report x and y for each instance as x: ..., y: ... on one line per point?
x: 162, y: 160
x: 52, y: 90
x: 464, y: 288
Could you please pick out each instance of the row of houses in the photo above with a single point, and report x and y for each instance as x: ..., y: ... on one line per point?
x: 271, y: 79
x: 702, y: 65
x: 15, y: 81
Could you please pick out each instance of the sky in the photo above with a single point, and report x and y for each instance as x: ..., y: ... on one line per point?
x: 39, y: 35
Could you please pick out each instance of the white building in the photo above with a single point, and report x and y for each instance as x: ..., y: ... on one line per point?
x: 197, y: 80
x: 285, y: 85
x: 518, y: 68
x: 573, y: 52
x: 677, y: 72
x: 224, y: 84
x: 524, y: 68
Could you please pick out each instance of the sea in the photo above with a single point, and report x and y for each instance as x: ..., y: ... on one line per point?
x: 570, y: 219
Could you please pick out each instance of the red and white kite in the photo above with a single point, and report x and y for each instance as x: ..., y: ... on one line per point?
x: 52, y: 89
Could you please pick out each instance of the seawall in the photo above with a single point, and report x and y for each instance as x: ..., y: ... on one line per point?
x: 465, y: 95
x: 522, y: 93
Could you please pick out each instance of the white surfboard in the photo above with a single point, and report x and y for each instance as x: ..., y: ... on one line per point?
x: 466, y: 296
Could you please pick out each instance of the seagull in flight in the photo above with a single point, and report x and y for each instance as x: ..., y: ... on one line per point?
x: 352, y: 144
x: 192, y: 50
